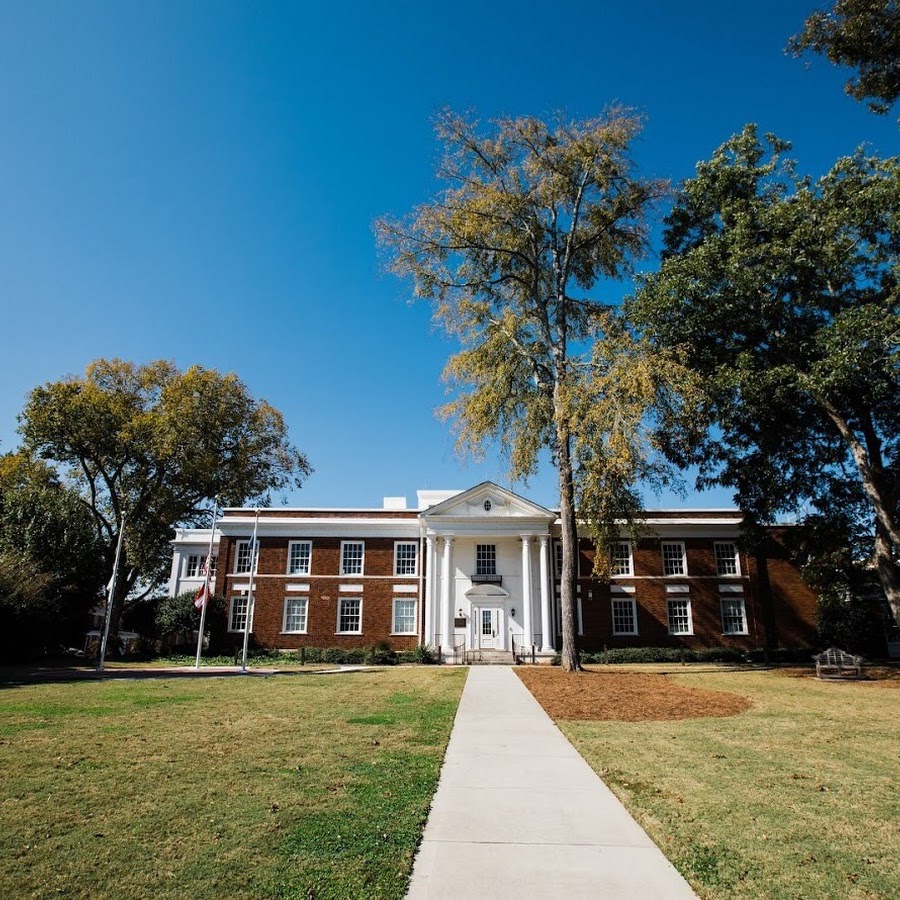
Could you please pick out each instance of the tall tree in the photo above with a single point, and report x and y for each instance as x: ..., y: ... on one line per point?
x: 156, y: 445
x: 863, y: 35
x: 783, y: 293
x: 51, y: 563
x: 531, y: 218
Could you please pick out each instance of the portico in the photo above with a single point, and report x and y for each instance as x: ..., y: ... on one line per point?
x: 488, y: 563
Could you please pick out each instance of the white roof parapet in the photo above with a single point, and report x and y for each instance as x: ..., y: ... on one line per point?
x: 394, y: 503
x: 428, y: 498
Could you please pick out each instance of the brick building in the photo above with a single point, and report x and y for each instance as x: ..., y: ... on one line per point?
x: 478, y: 568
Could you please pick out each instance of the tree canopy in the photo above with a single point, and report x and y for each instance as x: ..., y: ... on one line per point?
x: 782, y: 293
x: 51, y: 562
x: 532, y: 217
x: 157, y: 445
x: 863, y: 35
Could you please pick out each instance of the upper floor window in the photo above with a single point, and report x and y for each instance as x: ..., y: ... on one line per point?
x: 195, y: 566
x: 620, y: 562
x: 485, y: 559
x: 299, y: 556
x: 727, y: 559
x: 557, y: 557
x: 406, y: 554
x: 242, y: 557
x: 674, y: 560
x: 352, y: 553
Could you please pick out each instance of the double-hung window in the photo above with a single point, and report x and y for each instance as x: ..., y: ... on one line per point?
x: 624, y: 615
x: 404, y: 616
x: 679, y: 610
x: 485, y: 559
x: 406, y: 554
x: 727, y: 559
x: 349, y: 615
x: 195, y: 566
x: 620, y: 562
x: 352, y: 555
x: 299, y: 557
x: 295, y: 615
x: 237, y: 615
x: 673, y: 556
x: 734, y: 615
x: 243, y: 558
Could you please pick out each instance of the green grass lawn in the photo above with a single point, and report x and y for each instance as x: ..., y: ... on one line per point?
x: 299, y: 786
x: 795, y: 798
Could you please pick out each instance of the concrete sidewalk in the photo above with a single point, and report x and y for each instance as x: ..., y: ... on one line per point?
x: 518, y: 812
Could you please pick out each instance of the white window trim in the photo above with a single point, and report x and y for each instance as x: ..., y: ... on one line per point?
x: 677, y: 598
x: 493, y: 560
x: 624, y: 598
x: 251, y: 613
x: 362, y: 561
x: 630, y: 560
x: 684, y: 568
x: 254, y: 557
x: 415, y: 623
x: 337, y: 624
x: 731, y: 598
x: 284, y: 628
x: 291, y: 545
x: 737, y: 559
x: 415, y: 546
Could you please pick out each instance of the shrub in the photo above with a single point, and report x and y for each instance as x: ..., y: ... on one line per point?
x: 382, y: 654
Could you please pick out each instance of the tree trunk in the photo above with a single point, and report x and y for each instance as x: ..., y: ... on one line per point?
x: 569, y: 653
x: 887, y: 569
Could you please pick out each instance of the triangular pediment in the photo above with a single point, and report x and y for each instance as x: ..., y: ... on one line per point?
x: 488, y: 500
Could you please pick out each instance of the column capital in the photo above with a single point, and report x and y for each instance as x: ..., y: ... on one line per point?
x: 544, y: 539
x: 527, y: 538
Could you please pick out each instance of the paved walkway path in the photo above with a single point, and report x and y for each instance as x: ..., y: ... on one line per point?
x: 518, y: 812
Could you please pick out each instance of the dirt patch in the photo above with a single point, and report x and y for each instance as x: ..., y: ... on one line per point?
x: 624, y: 696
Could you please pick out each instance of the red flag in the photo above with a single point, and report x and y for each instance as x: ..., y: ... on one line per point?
x: 202, y: 597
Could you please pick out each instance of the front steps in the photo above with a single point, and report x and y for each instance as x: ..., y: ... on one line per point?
x: 498, y: 658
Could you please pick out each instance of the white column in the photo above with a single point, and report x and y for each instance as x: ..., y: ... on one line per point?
x: 447, y: 595
x: 430, y: 574
x: 546, y: 597
x: 528, y: 637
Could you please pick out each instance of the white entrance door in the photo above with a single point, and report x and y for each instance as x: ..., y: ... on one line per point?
x: 490, y: 629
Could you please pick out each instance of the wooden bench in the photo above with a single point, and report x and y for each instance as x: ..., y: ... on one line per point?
x: 834, y: 663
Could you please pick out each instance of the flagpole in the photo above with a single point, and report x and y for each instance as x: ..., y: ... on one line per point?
x: 112, y: 594
x: 209, y: 556
x: 254, y: 558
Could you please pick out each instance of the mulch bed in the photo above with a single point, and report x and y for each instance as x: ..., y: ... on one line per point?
x: 624, y: 696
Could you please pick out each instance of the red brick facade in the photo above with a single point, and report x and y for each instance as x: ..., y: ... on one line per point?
x: 779, y: 608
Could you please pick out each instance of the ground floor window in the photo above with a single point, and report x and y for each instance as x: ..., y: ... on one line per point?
x: 734, y: 615
x: 680, y: 616
x: 404, y: 616
x: 349, y: 615
x: 624, y: 616
x: 237, y: 615
x: 295, y: 615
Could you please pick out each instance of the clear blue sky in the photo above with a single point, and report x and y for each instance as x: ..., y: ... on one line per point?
x: 197, y: 181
